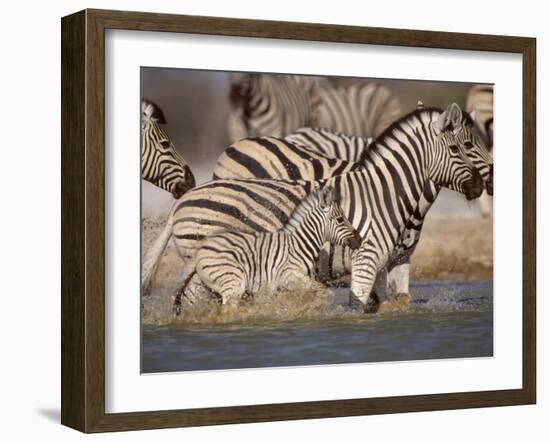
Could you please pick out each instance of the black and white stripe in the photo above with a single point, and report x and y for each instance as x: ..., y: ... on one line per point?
x: 363, y: 109
x: 270, y: 105
x: 426, y: 149
x: 161, y: 164
x: 295, y: 157
x: 234, y: 264
x: 330, y: 143
x: 276, y: 105
x: 480, y: 101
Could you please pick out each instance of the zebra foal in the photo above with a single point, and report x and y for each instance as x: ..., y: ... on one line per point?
x: 233, y: 263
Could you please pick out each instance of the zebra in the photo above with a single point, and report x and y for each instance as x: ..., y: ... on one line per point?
x: 480, y: 101
x: 363, y: 109
x: 403, y: 170
x: 284, y: 158
x: 161, y: 164
x: 270, y: 104
x: 330, y: 143
x: 276, y: 105
x: 233, y: 263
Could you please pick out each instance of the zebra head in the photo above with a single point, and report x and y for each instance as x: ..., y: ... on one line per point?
x: 338, y: 229
x: 161, y: 164
x: 461, y: 161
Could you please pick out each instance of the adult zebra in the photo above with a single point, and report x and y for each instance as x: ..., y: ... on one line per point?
x: 363, y: 109
x: 426, y: 149
x: 276, y: 105
x: 272, y: 105
x: 480, y: 99
x: 161, y: 164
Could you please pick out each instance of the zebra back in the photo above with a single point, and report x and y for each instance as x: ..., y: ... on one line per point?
x: 279, y: 158
x: 330, y: 144
x: 363, y: 109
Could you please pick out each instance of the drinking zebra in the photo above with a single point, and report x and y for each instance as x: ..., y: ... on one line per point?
x: 403, y: 170
x: 232, y: 264
x: 276, y: 105
x: 480, y: 101
x: 161, y: 164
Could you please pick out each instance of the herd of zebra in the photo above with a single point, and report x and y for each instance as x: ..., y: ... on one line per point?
x: 320, y: 181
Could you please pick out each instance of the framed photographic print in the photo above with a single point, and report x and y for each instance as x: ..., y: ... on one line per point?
x: 267, y: 221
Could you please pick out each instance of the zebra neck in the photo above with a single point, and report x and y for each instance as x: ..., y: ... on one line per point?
x: 399, y: 160
x: 307, y: 235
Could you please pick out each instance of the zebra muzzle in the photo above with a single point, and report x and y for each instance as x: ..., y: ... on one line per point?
x: 489, y: 184
x: 473, y: 188
x: 355, y: 241
x: 185, y: 184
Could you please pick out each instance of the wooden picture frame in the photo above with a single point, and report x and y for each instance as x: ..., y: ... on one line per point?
x: 83, y: 220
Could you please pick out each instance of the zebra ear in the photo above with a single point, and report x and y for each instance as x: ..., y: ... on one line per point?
x: 152, y: 111
x: 456, y: 115
x: 450, y: 118
x: 473, y: 114
x: 327, y: 196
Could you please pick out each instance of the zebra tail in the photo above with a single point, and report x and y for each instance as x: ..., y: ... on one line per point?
x: 151, y: 261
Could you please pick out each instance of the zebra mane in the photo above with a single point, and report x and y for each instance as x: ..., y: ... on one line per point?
x: 304, y: 209
x: 367, y: 154
x: 152, y: 111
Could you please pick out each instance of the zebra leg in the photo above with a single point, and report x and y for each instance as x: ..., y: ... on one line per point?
x: 181, y: 286
x: 398, y: 279
x: 230, y: 289
x: 364, y: 270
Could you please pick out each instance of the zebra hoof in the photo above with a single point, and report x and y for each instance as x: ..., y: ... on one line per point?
x: 373, y: 303
x: 176, y: 311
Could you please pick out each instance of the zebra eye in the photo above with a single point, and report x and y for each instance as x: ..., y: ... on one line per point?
x: 468, y: 144
x: 165, y: 143
x: 340, y: 219
x: 453, y: 148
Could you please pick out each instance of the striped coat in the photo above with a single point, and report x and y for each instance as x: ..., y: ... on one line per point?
x: 276, y: 105
x: 281, y: 158
x: 161, y: 164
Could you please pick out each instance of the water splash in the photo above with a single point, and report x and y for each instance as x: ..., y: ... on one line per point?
x: 311, y: 306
